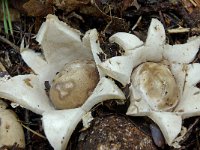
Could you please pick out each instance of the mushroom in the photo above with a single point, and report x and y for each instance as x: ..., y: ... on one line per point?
x: 162, y: 78
x: 66, y: 62
x: 11, y: 131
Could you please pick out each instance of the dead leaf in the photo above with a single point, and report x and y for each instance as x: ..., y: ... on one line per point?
x: 70, y: 5
x: 37, y: 9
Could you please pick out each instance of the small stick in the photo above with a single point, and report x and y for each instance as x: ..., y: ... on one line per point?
x: 193, y: 3
x: 10, y: 43
x: 28, y: 131
x: 183, y: 30
x: 136, y: 24
x: 34, y: 132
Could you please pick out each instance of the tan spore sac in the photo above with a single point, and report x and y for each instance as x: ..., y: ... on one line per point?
x: 74, y: 84
x: 11, y: 131
x: 156, y: 85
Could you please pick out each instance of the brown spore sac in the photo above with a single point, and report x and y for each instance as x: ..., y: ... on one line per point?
x: 114, y: 132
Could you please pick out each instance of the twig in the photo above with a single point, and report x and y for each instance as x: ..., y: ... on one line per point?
x: 178, y: 30
x: 109, y: 23
x: 108, y: 16
x: 164, y: 6
x: 198, y: 144
x: 185, y: 16
x: 34, y: 132
x: 162, y: 19
x: 193, y: 3
x: 136, y: 24
x: 189, y: 131
x: 27, y: 131
x: 10, y: 43
x: 183, y: 30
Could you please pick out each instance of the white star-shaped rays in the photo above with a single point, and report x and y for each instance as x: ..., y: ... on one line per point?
x: 177, y: 58
x: 60, y: 44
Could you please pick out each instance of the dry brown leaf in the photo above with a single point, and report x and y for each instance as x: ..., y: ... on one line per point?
x: 128, y: 3
x: 70, y: 5
x: 37, y: 9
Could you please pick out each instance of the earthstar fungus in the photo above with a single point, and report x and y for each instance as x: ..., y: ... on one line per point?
x: 163, y: 79
x: 64, y: 53
x: 162, y: 76
x: 11, y: 130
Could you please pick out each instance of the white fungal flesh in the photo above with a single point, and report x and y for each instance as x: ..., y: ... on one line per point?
x: 180, y: 72
x: 113, y: 67
x: 138, y: 106
x: 91, y: 40
x: 169, y: 123
x: 193, y: 70
x: 105, y: 90
x: 86, y: 119
x: 59, y: 125
x: 126, y: 41
x: 189, y: 105
x: 182, y: 53
x: 27, y: 91
x: 156, y: 34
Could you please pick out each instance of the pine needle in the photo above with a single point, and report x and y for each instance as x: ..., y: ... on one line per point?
x: 34, y: 132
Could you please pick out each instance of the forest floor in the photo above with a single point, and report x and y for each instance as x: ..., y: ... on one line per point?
x: 108, y: 17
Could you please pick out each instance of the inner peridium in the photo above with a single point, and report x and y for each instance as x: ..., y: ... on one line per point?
x: 74, y: 84
x: 156, y: 85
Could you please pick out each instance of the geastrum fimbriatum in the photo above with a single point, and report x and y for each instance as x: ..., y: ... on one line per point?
x: 162, y: 78
x: 68, y: 64
x: 11, y: 131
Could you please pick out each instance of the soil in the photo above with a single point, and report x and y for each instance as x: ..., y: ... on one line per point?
x: 108, y: 17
